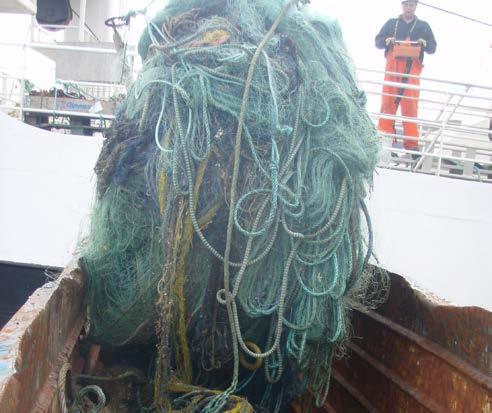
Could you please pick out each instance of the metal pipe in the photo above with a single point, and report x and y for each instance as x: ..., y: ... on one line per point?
x: 487, y: 111
x: 449, y: 82
x: 482, y: 178
x: 445, y: 120
x: 75, y: 82
x: 82, y: 11
x: 21, y: 103
x: 57, y: 46
x: 430, y: 123
x: 430, y: 132
x: 448, y: 137
x: 415, y: 87
x: 69, y: 113
x: 434, y: 155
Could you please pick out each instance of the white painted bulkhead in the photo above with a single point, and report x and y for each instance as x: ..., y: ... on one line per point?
x: 434, y: 231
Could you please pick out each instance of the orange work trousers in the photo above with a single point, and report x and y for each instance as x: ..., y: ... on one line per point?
x: 408, y: 100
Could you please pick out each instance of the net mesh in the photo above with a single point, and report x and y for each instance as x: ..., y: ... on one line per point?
x: 241, y: 256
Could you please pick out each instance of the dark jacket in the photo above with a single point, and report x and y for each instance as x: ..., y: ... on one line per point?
x: 421, y: 30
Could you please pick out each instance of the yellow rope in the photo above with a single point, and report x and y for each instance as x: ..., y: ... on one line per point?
x: 186, y: 238
x: 207, y: 218
x: 176, y: 386
x: 245, y: 363
x: 237, y: 409
x: 183, y: 236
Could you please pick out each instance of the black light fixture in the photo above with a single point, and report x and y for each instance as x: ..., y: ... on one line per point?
x: 54, y: 12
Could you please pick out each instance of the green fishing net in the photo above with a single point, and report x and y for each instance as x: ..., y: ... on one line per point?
x: 230, y: 224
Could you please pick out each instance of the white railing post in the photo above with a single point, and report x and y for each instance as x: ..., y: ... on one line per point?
x: 22, y: 88
x: 469, y: 166
x: 427, y: 148
x: 82, y: 11
x: 32, y: 28
x: 4, y: 89
x: 440, y: 135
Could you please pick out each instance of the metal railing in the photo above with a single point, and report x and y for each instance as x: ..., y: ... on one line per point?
x: 11, y: 87
x: 454, y: 120
x: 62, y: 101
x: 454, y: 123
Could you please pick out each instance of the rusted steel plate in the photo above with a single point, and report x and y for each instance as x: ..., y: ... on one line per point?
x: 413, y: 355
x: 464, y: 331
x: 423, y: 366
x: 36, y: 343
x: 343, y: 398
x: 383, y: 390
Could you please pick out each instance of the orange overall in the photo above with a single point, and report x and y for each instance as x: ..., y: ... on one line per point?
x: 409, y: 98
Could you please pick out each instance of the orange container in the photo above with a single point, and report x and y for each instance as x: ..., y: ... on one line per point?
x: 405, y: 49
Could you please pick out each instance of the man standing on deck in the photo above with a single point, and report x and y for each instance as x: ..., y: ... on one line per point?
x: 407, y: 27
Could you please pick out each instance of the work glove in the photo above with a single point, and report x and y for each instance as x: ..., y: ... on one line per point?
x: 390, y: 41
x: 422, y: 43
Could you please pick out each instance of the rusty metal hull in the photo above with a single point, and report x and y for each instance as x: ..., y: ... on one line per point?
x: 37, y: 342
x: 414, y: 355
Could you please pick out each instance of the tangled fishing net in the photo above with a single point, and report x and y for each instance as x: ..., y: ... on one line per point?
x: 230, y: 222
